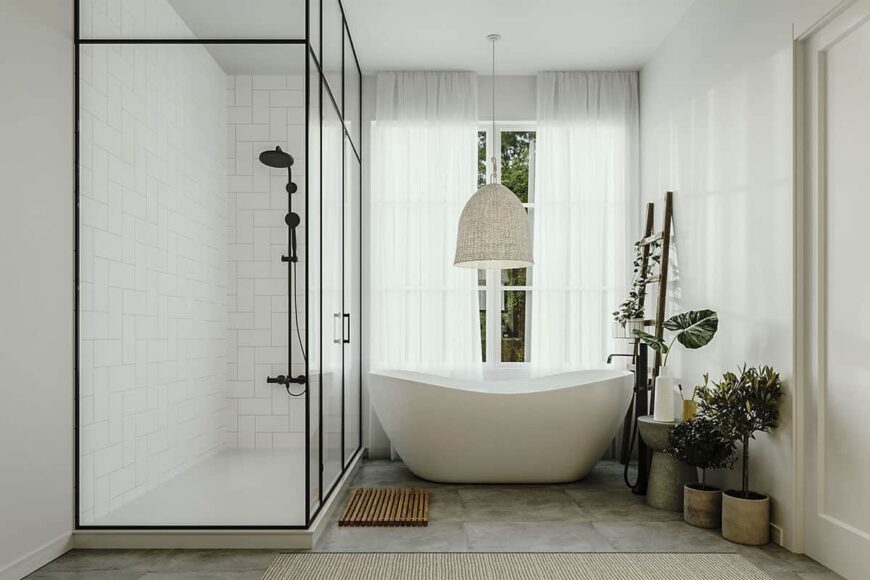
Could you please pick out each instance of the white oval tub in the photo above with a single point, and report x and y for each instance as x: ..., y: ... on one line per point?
x: 546, y: 429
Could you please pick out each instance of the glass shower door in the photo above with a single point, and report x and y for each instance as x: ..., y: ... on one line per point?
x: 332, y: 280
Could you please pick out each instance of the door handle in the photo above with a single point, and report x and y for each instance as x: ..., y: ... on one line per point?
x: 336, y: 323
x: 346, y: 326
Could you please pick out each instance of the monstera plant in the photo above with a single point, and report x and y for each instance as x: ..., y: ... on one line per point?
x: 692, y: 329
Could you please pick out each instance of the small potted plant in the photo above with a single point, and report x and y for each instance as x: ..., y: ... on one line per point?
x: 741, y: 405
x: 700, y: 444
x: 628, y: 316
x: 692, y: 329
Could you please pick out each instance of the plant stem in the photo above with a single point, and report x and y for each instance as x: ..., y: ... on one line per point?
x: 746, y: 466
x: 668, y: 353
x: 704, y: 478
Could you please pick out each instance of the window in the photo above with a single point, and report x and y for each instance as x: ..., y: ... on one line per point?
x: 505, y: 305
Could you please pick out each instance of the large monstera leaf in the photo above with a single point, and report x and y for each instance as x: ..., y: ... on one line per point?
x: 694, y: 329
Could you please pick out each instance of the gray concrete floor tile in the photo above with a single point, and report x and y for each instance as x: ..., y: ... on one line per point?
x: 218, y: 560
x: 828, y: 575
x: 535, y: 537
x: 662, y: 537
x: 237, y: 575
x: 436, y: 537
x: 87, y: 575
x: 607, y: 505
x: 791, y: 561
x: 512, y: 504
x: 596, y: 514
x: 97, y: 560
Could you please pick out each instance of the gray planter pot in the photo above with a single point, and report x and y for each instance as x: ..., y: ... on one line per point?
x: 746, y: 521
x: 702, y: 508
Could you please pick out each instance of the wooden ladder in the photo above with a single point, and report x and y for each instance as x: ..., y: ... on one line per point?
x: 650, y: 238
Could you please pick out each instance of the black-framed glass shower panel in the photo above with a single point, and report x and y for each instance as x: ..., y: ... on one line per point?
x: 314, y: 420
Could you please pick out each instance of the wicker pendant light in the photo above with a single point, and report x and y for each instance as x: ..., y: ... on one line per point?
x: 494, y: 226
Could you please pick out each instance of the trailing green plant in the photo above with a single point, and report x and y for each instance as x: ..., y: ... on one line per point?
x: 632, y: 308
x: 692, y: 329
x: 741, y: 405
x: 697, y: 442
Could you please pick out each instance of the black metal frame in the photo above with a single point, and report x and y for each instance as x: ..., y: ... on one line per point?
x: 356, y: 150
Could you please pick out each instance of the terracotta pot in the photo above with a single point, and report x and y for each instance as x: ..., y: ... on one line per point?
x: 746, y: 520
x: 702, y: 507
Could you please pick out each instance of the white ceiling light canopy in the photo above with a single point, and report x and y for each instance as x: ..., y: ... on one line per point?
x: 494, y: 226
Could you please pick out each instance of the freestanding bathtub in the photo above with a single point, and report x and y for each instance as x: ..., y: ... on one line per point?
x: 545, y: 429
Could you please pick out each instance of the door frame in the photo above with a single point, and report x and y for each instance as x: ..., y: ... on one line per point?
x: 810, y: 269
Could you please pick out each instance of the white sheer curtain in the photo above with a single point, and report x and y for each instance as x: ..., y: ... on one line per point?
x: 424, y: 168
x: 586, y: 210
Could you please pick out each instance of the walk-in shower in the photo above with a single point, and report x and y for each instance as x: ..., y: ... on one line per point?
x: 217, y: 262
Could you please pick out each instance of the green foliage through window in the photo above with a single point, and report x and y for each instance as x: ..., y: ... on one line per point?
x: 516, y: 154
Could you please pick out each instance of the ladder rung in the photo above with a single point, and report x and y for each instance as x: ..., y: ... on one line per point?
x: 651, y: 239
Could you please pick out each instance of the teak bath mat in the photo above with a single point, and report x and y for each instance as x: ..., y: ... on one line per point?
x: 387, y: 507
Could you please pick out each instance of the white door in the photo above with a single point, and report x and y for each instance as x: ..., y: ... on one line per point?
x: 836, y: 268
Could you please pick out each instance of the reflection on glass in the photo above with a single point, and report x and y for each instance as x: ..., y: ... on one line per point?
x: 351, y: 322
x: 147, y: 19
x: 333, y: 44
x: 517, y: 162
x: 514, y: 326
x: 331, y: 273
x: 516, y: 277
x: 482, y: 306
x: 481, y: 158
x: 352, y: 87
x: 315, y: 307
x: 314, y: 27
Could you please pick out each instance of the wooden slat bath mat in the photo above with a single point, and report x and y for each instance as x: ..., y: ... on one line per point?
x: 387, y: 507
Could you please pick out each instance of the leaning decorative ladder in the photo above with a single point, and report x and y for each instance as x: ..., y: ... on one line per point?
x: 644, y: 394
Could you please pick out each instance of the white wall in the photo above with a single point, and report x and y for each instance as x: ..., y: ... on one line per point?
x: 716, y: 128
x: 36, y: 298
x: 264, y: 111
x: 153, y: 261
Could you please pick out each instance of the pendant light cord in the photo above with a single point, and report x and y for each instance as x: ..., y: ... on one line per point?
x: 494, y: 177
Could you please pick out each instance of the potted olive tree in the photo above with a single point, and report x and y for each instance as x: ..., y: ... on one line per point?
x: 699, y: 443
x: 741, y: 405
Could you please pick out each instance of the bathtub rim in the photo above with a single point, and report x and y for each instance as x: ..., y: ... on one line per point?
x: 544, y: 383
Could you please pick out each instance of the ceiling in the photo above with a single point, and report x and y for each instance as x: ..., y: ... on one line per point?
x: 240, y: 19
x: 536, y: 34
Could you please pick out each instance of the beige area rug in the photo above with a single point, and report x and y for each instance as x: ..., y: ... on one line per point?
x: 531, y: 566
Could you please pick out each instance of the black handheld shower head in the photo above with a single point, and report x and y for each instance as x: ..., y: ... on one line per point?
x: 292, y: 219
x: 278, y: 159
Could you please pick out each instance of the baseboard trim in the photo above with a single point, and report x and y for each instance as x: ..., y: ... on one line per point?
x: 37, y: 558
x: 219, y: 539
x: 777, y: 536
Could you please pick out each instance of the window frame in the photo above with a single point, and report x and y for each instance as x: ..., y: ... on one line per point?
x: 494, y: 289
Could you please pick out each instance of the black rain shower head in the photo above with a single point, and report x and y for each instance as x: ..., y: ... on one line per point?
x: 278, y: 159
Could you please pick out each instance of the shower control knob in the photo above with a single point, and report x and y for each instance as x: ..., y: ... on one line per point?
x: 292, y: 188
x: 279, y: 380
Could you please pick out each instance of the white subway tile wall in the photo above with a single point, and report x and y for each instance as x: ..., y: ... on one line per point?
x: 154, y: 266
x: 263, y: 112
